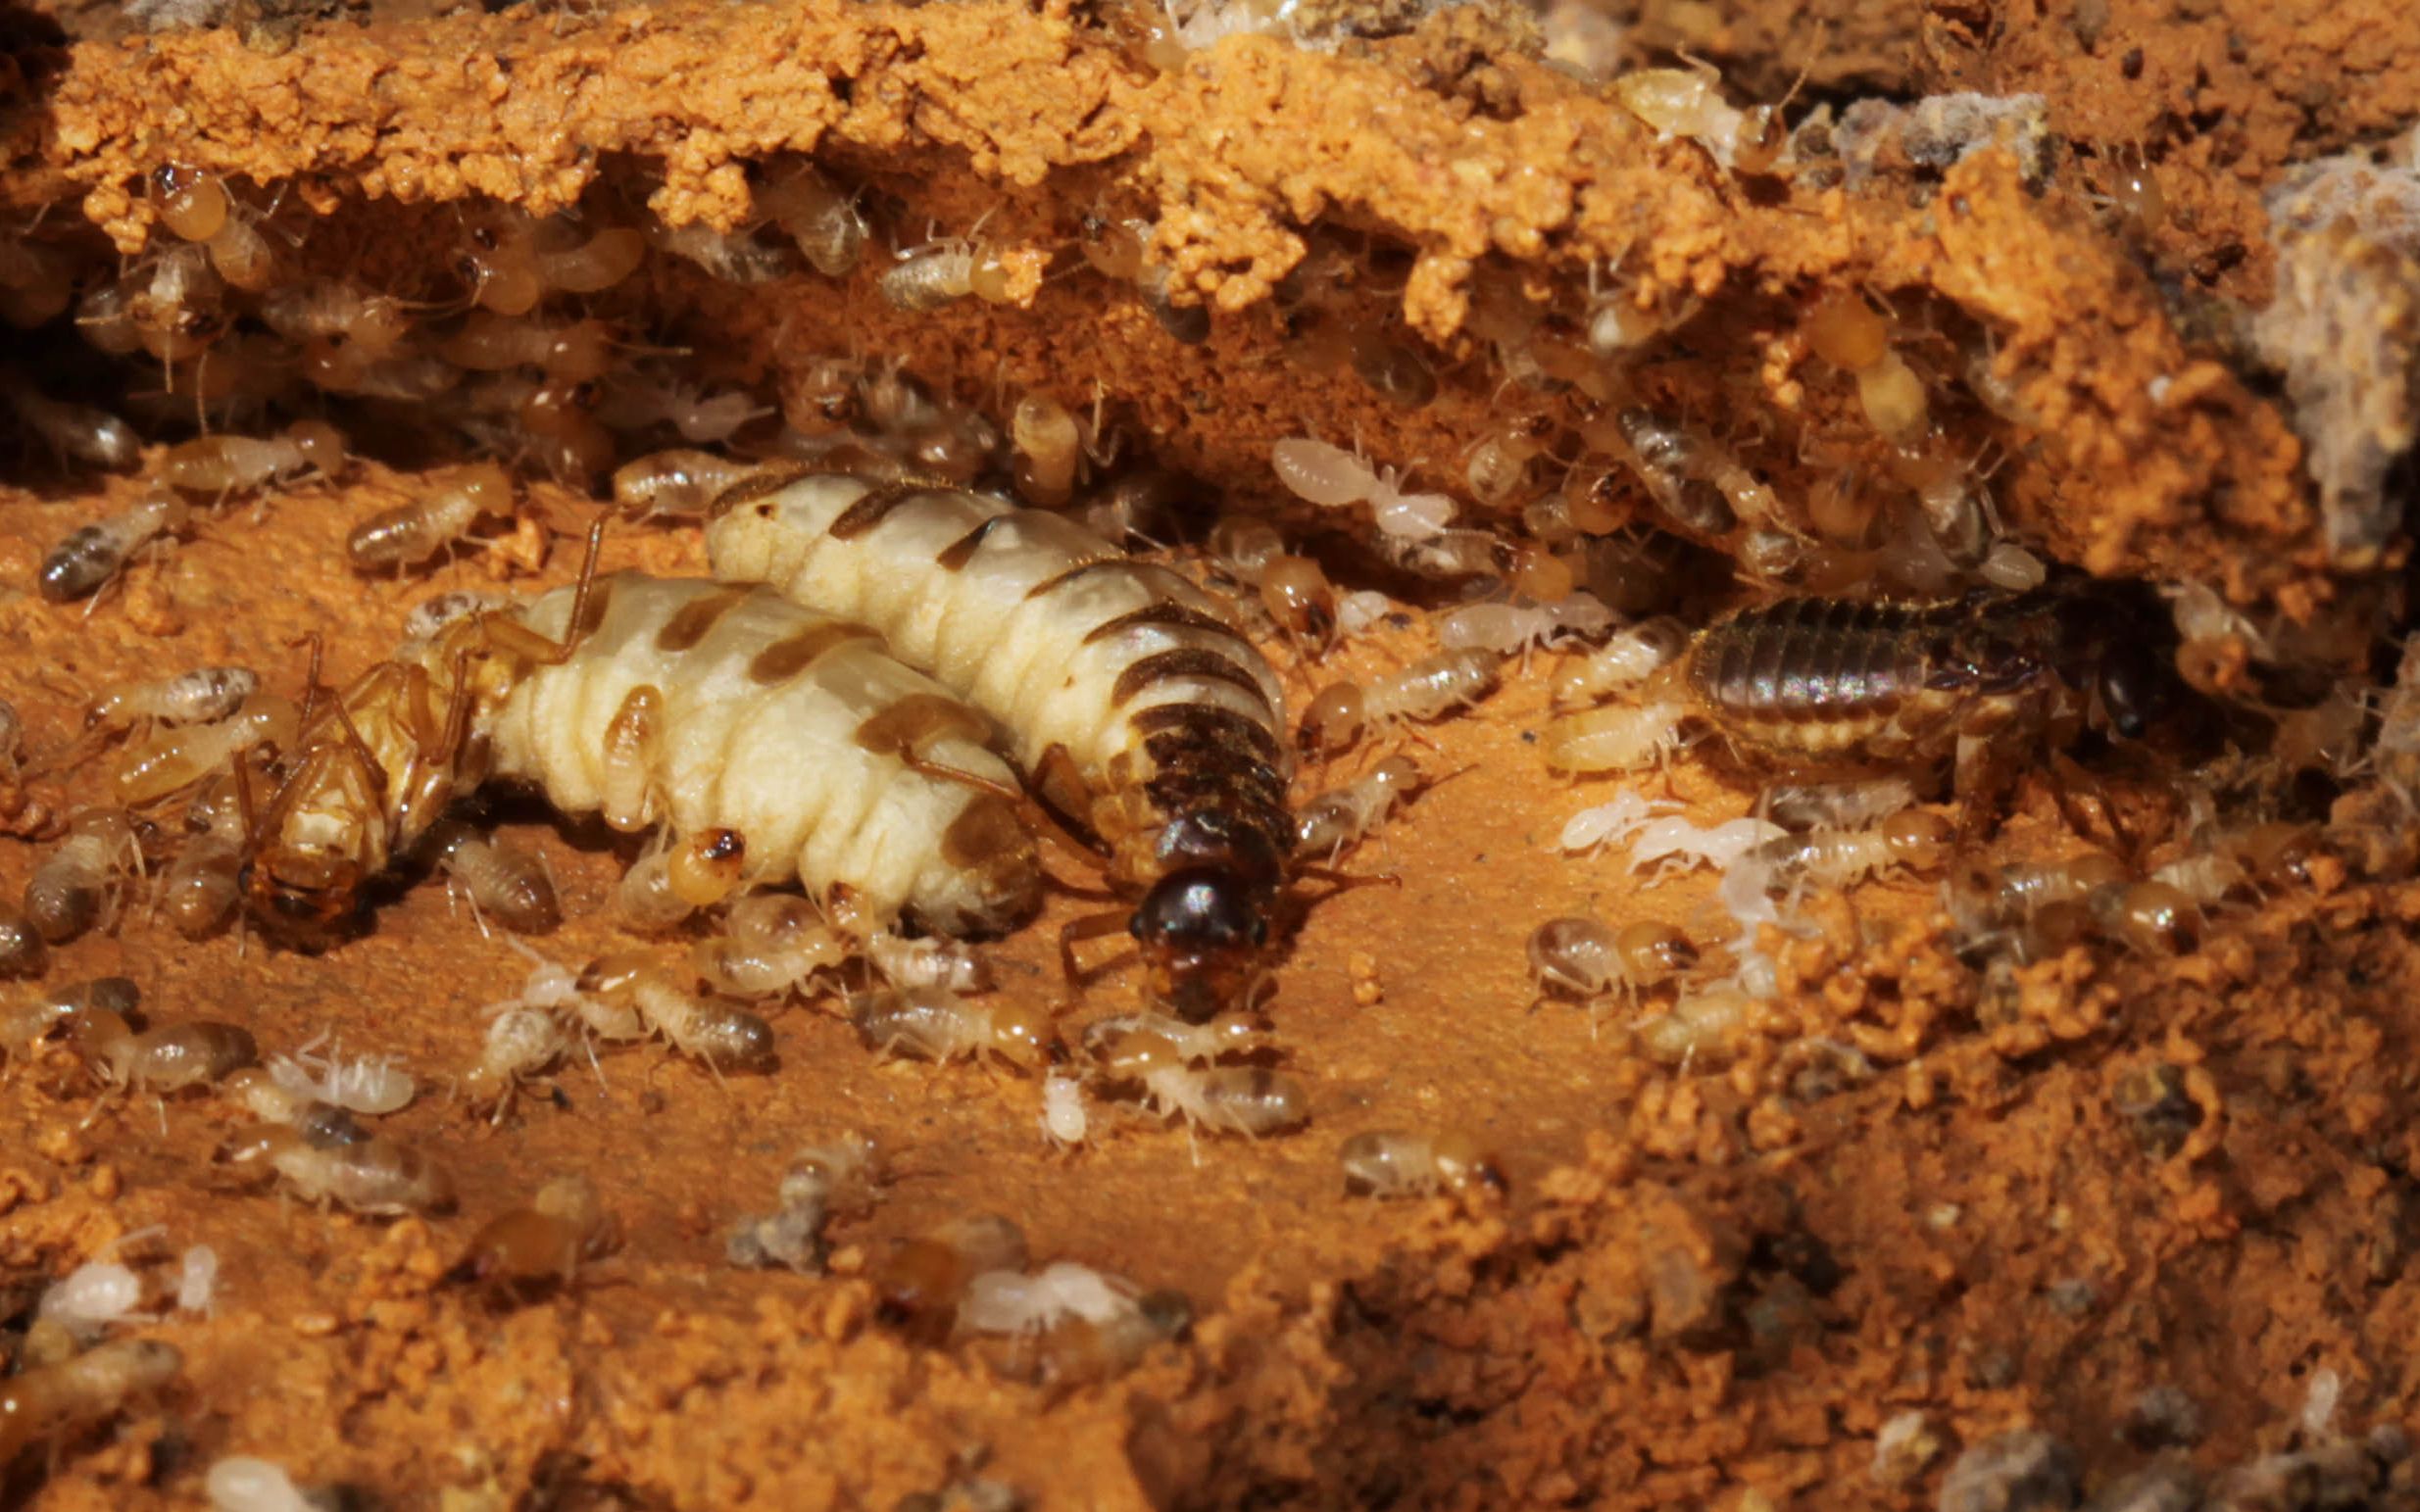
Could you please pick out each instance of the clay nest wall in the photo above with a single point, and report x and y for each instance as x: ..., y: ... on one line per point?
x: 2103, y: 1217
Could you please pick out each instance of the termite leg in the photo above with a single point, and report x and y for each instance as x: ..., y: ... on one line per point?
x: 1058, y: 783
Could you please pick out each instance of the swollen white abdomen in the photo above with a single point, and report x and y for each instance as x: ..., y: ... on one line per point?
x: 1032, y: 617
x: 783, y: 725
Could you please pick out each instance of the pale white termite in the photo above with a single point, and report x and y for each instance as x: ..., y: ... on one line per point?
x: 242, y: 1484
x: 1683, y: 847
x: 1251, y: 1100
x: 411, y: 533
x: 793, y: 730
x: 1064, y: 1122
x: 675, y: 484
x: 197, y: 1279
x: 1332, y: 477
x: 770, y: 942
x: 1583, y: 959
x: 719, y: 1033
x: 87, y: 1299
x: 1358, y: 611
x: 944, y: 965
x: 521, y: 1043
x: 1837, y: 806
x: 1344, y: 816
x: 730, y: 257
x: 1522, y: 626
x: 89, y: 435
x: 197, y: 696
x: 1402, y: 1163
x: 1617, y: 738
x: 702, y: 418
x: 1611, y: 822
x: 168, y: 762
x: 1628, y: 658
x: 1008, y: 1301
x: 92, y: 555
x: 366, y: 1083
x: 935, y: 1025
x: 497, y: 878
x: 226, y: 464
x: 1235, y: 1031
x: 1130, y: 700
x: 1429, y: 688
x: 1914, y: 840
x: 77, y: 885
x: 378, y: 1175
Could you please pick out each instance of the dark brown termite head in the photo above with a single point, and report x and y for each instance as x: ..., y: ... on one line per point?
x: 303, y: 900
x: 2110, y: 640
x: 1202, y: 935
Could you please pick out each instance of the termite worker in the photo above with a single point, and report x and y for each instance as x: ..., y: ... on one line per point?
x: 1135, y: 706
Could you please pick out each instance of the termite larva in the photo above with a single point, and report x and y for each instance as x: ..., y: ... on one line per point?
x: 719, y: 1033
x: 1133, y: 705
x: 936, y: 1025
x: 677, y: 485
x: 378, y: 1175
x: 410, y: 534
x: 770, y: 944
x: 169, y: 1058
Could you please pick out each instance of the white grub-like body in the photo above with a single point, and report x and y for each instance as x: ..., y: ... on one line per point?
x: 1611, y: 822
x: 1628, y: 658
x: 1013, y: 1303
x: 1034, y: 619
x: 1065, y: 1122
x: 786, y: 727
x: 1333, y: 477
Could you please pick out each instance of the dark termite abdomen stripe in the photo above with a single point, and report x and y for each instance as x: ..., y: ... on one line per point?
x: 870, y: 508
x: 1141, y: 570
x: 1185, y: 661
x: 592, y: 614
x: 787, y: 657
x: 1161, y: 719
x: 955, y: 556
x: 906, y: 724
x: 773, y: 479
x: 1173, y: 616
x: 690, y: 624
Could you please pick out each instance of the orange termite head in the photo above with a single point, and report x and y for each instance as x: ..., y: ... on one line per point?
x: 303, y: 900
x: 1202, y: 934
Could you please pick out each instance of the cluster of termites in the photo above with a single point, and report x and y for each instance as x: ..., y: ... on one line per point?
x: 956, y: 645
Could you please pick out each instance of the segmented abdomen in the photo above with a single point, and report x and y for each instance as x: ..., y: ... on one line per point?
x: 1819, y: 677
x: 1168, y: 712
x: 784, y: 725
